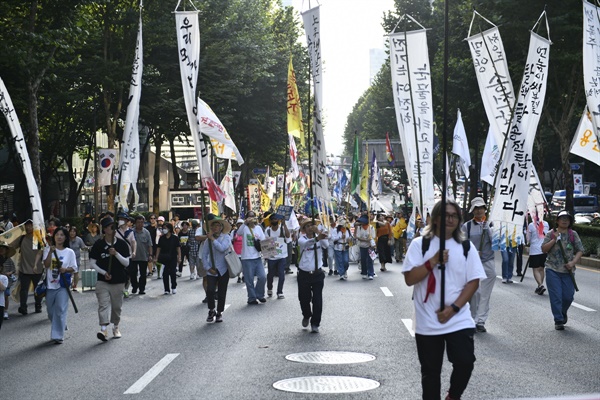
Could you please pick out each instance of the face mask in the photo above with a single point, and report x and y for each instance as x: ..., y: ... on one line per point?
x: 122, y: 222
x: 164, y: 231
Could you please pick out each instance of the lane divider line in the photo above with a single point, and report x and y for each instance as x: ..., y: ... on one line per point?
x: 152, y: 373
x: 386, y: 291
x: 408, y: 324
x: 584, y: 308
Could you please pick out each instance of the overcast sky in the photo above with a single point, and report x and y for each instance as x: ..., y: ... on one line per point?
x: 349, y: 28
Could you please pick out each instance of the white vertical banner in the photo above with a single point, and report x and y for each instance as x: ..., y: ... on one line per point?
x: 293, y: 156
x: 37, y: 213
x: 411, y: 81
x: 578, y: 183
x: 460, y: 145
x: 312, y: 28
x: 188, y: 45
x: 228, y: 188
x: 495, y: 85
x: 512, y: 185
x: 210, y: 125
x: 129, y: 164
x: 536, y: 200
x: 591, y: 61
x: 490, y: 158
x: 585, y: 143
x: 107, y: 158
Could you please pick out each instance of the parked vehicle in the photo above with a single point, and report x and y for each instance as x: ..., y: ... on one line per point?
x: 582, y: 204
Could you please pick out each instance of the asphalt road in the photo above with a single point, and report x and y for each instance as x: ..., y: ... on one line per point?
x: 520, y: 356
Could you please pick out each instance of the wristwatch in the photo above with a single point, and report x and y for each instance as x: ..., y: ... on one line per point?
x: 455, y: 307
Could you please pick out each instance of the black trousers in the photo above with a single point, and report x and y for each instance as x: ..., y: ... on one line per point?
x: 460, y: 348
x: 310, y: 289
x: 134, y: 268
x: 169, y: 271
x: 185, y: 253
x: 214, y: 282
x: 26, y: 280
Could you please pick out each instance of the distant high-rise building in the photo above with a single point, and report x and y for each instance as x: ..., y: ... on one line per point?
x: 376, y: 60
x: 286, y: 3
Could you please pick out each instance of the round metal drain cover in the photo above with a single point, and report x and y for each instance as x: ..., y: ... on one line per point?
x: 326, y: 384
x: 330, y: 357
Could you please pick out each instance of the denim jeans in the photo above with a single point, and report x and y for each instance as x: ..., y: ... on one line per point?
x: 276, y: 267
x: 57, y: 303
x: 561, y: 292
x: 251, y: 268
x: 366, y: 263
x: 508, y: 262
x: 342, y: 261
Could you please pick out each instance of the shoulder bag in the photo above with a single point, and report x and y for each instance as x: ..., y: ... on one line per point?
x: 234, y: 264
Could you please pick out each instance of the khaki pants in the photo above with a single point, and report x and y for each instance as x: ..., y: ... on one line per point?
x: 110, y: 297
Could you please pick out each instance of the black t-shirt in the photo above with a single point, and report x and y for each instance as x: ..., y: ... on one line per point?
x: 100, y: 253
x: 152, y: 230
x: 168, y: 249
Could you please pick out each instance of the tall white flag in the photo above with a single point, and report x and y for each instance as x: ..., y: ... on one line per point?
x: 460, y: 145
x: 228, y: 188
x: 591, y: 61
x: 415, y: 120
x: 293, y: 156
x: 312, y: 28
x: 37, y: 212
x: 211, y: 126
x: 129, y: 164
x: 188, y: 45
x: 585, y: 143
x: 512, y: 186
x: 490, y: 158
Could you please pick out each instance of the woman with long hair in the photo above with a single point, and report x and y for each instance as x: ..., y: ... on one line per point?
x: 76, y: 244
x: 60, y: 263
x: 384, y: 238
x: 168, y: 253
x: 341, y: 248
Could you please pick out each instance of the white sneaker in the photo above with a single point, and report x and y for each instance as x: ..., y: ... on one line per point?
x: 116, y: 332
x: 280, y: 296
x: 5, y: 315
x: 269, y: 293
x: 370, y: 278
x: 174, y: 291
x: 167, y: 292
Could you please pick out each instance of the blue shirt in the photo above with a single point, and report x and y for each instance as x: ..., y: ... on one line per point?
x: 220, y: 247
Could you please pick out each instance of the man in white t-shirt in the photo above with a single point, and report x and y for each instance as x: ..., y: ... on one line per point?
x: 251, y: 259
x: 536, y: 232
x: 452, y: 327
x: 277, y: 264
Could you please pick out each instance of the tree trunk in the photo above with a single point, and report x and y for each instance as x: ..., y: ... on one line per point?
x: 33, y: 136
x: 176, y: 176
x: 156, y: 189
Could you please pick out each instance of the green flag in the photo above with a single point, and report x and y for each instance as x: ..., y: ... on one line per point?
x: 355, y: 182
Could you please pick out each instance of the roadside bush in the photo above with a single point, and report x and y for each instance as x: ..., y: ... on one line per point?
x: 590, y: 245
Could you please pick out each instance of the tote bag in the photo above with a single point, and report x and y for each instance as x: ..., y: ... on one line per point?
x: 234, y: 264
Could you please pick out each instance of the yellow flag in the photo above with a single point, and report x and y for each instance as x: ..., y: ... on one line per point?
x: 294, y: 113
x: 364, y: 180
x: 265, y: 201
x: 214, y: 207
x: 279, y: 201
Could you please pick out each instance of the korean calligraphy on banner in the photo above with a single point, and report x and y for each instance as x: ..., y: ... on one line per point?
x: 411, y: 80
x: 254, y: 198
x: 591, y: 62
x: 312, y: 27
x: 7, y: 108
x: 495, y: 85
x: 536, y: 199
x: 584, y: 142
x: 130, y: 157
x: 512, y: 185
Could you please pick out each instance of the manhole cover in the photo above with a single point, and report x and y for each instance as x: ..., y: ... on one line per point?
x: 326, y: 384
x: 330, y: 357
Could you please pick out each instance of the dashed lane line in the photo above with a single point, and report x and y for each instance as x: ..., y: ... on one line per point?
x: 584, y: 308
x: 151, y: 374
x: 386, y: 292
x: 408, y: 324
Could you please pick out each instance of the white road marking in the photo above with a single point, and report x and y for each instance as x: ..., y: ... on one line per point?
x: 151, y: 374
x: 514, y: 281
x: 226, y: 307
x: 408, y: 324
x: 386, y: 291
x: 584, y: 308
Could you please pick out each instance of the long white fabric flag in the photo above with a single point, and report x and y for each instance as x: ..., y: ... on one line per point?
x: 107, y: 158
x: 411, y: 78
x: 228, y: 188
x: 490, y: 158
x: 312, y: 28
x: 494, y: 81
x: 130, y: 152
x: 512, y: 185
x: 37, y: 213
x: 293, y: 156
x: 460, y: 145
x: 591, y: 61
x: 211, y: 126
x: 188, y: 44
x: 585, y: 143
x: 536, y: 200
